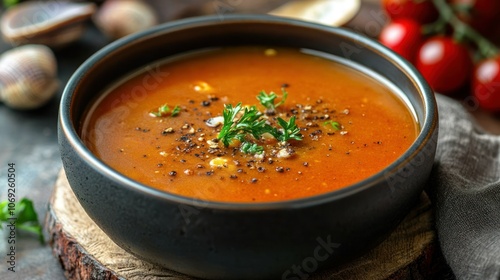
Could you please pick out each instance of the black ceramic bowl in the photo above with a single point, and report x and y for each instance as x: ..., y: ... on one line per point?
x: 233, y: 240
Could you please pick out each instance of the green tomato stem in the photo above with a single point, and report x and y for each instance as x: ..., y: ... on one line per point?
x: 462, y: 30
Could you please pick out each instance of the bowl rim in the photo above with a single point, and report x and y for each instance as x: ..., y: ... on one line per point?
x: 428, y: 127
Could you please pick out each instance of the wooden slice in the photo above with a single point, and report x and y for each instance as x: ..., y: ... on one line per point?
x: 85, y: 252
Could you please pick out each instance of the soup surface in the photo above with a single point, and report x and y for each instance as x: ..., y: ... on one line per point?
x: 163, y: 126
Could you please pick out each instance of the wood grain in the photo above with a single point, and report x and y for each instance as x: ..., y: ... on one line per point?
x: 85, y: 252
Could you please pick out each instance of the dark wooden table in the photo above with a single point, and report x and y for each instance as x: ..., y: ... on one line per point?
x: 29, y: 138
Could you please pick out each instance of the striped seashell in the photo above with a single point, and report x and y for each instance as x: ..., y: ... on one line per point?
x: 28, y: 76
x: 51, y: 23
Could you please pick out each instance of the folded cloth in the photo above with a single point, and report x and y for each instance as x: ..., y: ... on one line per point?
x: 465, y: 186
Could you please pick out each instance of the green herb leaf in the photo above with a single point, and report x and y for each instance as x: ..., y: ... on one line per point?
x: 334, y: 124
x: 164, y: 110
x: 26, y: 218
x: 227, y: 133
x: 175, y: 111
x: 10, y: 3
x: 283, y: 97
x: 290, y: 130
x: 249, y: 122
x: 267, y: 100
x: 241, y: 123
x: 251, y: 148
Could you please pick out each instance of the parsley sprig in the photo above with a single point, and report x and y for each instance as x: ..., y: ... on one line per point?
x: 249, y: 123
x: 290, y: 130
x: 268, y: 100
x: 23, y: 215
x: 242, y: 122
x: 251, y: 148
x: 335, y: 125
x: 164, y: 110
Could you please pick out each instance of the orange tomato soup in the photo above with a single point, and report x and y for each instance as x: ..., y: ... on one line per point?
x: 351, y: 125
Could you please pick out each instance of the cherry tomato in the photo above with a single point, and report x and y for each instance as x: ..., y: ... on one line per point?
x: 403, y: 36
x: 486, y: 84
x: 421, y: 11
x: 479, y: 14
x: 445, y: 64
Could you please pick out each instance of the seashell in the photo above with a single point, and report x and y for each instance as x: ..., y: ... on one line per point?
x: 28, y: 76
x: 118, y: 18
x: 331, y: 12
x: 53, y: 23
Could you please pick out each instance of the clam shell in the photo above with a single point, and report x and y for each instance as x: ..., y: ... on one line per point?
x: 28, y: 76
x: 331, y: 12
x: 118, y: 18
x: 53, y: 23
